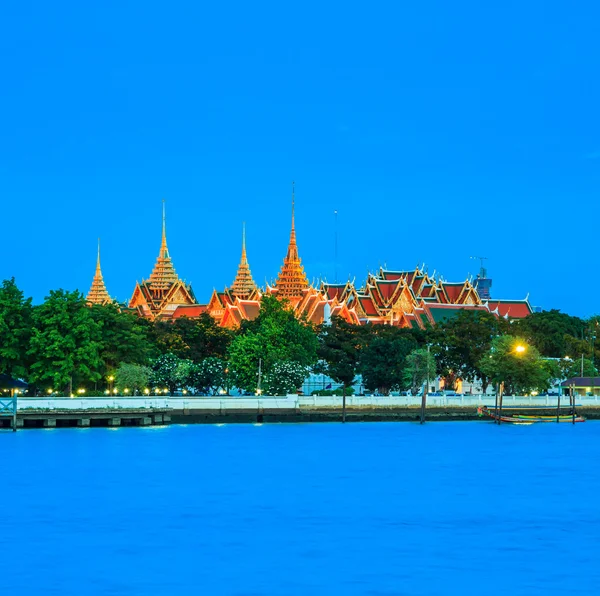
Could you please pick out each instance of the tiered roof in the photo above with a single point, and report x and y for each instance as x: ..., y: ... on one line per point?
x: 243, y: 286
x: 163, y: 275
x: 98, y: 293
x: 292, y: 280
x: 163, y: 292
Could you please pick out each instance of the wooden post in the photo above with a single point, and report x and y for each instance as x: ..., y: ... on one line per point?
x: 14, y: 405
x: 500, y: 402
x: 496, y: 404
x: 558, y: 405
x: 572, y: 389
x: 423, y: 404
x: 344, y: 403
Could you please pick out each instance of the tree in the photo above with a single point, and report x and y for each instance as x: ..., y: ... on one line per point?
x: 133, y: 377
x: 208, y: 376
x: 15, y: 329
x: 195, y: 339
x: 124, y: 337
x: 339, y: 350
x: 570, y: 368
x: 166, y: 372
x: 275, y: 335
x: 460, y: 343
x: 284, y: 378
x: 518, y: 365
x: 552, y: 332
x: 383, y: 357
x: 420, y: 366
x: 65, y: 342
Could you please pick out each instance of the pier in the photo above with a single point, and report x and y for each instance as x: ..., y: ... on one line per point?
x: 84, y: 418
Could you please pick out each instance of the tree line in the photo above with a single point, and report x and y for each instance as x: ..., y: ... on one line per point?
x: 63, y: 346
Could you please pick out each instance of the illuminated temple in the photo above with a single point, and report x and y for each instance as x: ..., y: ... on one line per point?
x: 163, y: 292
x: 98, y: 293
x: 404, y: 298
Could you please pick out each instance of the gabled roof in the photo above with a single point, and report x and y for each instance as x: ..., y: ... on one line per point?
x: 191, y: 311
x: 515, y: 309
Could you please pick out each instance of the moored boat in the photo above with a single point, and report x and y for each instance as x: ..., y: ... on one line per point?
x: 529, y: 418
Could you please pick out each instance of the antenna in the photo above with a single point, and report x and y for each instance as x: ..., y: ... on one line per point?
x: 482, y: 269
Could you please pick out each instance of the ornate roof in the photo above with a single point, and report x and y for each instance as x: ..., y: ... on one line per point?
x: 163, y: 275
x: 292, y: 280
x: 243, y: 286
x: 98, y: 293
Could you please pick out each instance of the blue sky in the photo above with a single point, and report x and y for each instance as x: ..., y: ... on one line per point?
x: 437, y: 130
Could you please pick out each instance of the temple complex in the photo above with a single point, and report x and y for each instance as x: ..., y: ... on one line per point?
x: 98, y: 293
x: 405, y: 298
x: 163, y: 292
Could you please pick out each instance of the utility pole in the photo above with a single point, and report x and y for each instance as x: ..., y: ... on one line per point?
x: 258, y: 389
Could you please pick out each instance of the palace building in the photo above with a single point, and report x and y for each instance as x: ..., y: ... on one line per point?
x: 405, y: 298
x: 161, y: 294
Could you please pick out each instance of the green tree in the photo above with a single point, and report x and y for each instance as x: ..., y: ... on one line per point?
x: 518, y: 365
x: 133, y: 377
x: 15, y: 329
x: 275, y: 335
x: 383, y: 357
x: 195, y: 339
x: 570, y: 368
x: 340, y: 345
x: 124, y: 337
x: 166, y: 372
x: 65, y: 342
x: 552, y: 332
x: 460, y: 343
x: 420, y: 366
x: 208, y: 376
x: 284, y: 378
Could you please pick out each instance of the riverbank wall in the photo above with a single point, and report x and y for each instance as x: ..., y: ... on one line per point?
x: 150, y: 410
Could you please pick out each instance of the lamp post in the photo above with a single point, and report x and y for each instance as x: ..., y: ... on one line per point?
x: 110, y: 383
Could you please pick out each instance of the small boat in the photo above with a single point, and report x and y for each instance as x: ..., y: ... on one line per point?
x: 528, y: 418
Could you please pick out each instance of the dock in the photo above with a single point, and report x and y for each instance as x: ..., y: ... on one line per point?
x: 88, y: 418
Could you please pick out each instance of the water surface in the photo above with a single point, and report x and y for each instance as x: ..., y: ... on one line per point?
x: 373, y: 508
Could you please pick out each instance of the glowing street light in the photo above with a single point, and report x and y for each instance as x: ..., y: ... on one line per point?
x: 520, y: 349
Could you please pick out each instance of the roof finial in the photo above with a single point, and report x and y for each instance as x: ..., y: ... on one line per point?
x: 293, y: 202
x: 164, y: 224
x: 243, y: 240
x: 98, y: 261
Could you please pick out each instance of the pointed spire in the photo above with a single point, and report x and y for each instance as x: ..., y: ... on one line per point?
x: 292, y: 279
x: 98, y: 293
x: 163, y: 275
x: 243, y: 286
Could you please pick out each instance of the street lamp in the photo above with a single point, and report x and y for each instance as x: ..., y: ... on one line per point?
x: 110, y: 383
x: 520, y: 349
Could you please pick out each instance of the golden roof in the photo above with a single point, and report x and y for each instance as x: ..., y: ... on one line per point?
x: 98, y: 293
x: 292, y: 280
x: 243, y: 285
x: 163, y: 275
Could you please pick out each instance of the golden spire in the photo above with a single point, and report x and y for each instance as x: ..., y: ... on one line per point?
x: 163, y: 275
x: 292, y: 279
x: 98, y: 293
x: 243, y: 285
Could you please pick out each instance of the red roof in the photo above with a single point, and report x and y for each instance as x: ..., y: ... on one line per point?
x: 515, y: 309
x: 193, y: 311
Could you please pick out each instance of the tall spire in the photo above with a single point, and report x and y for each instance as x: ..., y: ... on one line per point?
x: 98, y: 293
x: 292, y: 279
x: 163, y: 275
x: 243, y: 286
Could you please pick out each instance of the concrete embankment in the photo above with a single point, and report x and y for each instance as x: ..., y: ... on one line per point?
x: 143, y: 411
